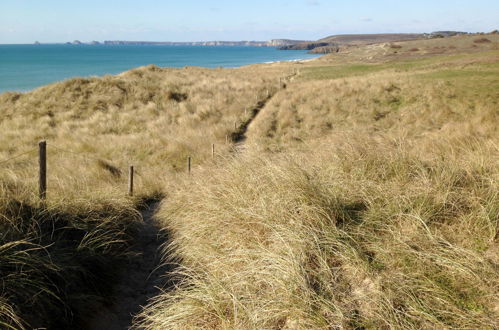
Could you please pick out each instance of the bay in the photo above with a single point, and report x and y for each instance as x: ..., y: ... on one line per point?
x: 25, y: 67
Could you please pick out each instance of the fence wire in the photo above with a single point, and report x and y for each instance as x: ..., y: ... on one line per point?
x: 18, y: 156
x: 79, y: 154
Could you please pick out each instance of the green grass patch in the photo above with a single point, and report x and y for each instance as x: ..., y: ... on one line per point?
x: 335, y: 72
x: 460, y: 74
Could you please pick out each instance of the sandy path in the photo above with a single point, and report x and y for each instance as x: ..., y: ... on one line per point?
x: 140, y: 280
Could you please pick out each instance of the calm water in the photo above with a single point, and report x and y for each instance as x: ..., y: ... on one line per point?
x: 25, y: 67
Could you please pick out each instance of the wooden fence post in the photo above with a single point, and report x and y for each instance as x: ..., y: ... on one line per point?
x: 189, y: 160
x: 213, y: 151
x: 235, y: 126
x: 42, y: 177
x: 130, y: 180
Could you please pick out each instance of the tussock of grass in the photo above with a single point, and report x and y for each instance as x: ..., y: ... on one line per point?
x: 366, y: 194
x: 364, y: 233
x: 418, y: 102
x: 148, y: 115
x: 364, y: 200
x: 59, y: 259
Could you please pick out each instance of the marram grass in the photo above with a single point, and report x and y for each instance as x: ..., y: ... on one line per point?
x: 365, y: 194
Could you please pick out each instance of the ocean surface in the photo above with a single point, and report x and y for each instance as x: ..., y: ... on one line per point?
x: 25, y: 67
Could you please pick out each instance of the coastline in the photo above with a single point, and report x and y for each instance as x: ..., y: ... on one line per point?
x: 38, y: 80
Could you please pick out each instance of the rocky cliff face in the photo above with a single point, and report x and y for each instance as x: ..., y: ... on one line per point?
x: 305, y: 46
x: 283, y: 42
x: 325, y: 50
x: 198, y: 43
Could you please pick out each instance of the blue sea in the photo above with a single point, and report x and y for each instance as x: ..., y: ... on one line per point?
x: 25, y: 67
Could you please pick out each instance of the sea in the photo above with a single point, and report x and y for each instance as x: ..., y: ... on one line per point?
x: 26, y: 67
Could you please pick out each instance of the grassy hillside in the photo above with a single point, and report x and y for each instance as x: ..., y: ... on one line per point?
x: 150, y: 117
x: 363, y: 194
x: 367, y: 198
x: 361, y: 39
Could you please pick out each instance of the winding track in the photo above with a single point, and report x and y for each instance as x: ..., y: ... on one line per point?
x: 238, y: 137
x: 140, y: 280
x: 144, y: 278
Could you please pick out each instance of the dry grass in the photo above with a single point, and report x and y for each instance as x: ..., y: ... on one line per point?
x: 150, y: 117
x: 367, y: 195
x: 364, y: 201
x: 57, y: 260
x: 428, y: 48
x: 369, y: 232
x: 416, y: 98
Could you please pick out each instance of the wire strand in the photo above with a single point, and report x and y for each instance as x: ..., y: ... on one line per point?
x: 79, y: 154
x: 17, y: 156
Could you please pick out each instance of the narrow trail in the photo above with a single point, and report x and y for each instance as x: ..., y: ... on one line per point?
x: 139, y: 281
x: 238, y: 137
x: 142, y: 279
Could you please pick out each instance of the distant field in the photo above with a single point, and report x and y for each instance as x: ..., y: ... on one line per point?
x: 362, y: 39
x: 358, y: 190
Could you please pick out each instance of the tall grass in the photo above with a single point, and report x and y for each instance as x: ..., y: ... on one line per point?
x: 366, y: 195
x: 57, y: 261
x: 364, y: 201
x: 368, y: 232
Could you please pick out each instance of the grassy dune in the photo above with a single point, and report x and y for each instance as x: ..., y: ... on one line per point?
x: 366, y: 195
x: 367, y: 198
x: 369, y: 232
x: 150, y: 117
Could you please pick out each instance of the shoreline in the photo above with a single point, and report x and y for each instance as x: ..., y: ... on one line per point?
x: 302, y: 60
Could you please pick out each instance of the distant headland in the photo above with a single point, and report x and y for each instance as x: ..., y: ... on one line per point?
x: 271, y: 43
x: 326, y: 45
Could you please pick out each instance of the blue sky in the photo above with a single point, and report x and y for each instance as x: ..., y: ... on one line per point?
x: 24, y: 21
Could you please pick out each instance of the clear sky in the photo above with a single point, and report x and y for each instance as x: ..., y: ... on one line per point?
x: 24, y: 21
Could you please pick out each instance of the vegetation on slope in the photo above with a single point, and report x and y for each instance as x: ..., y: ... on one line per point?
x: 366, y: 195
x: 59, y: 258
x: 57, y: 263
x: 368, y: 232
x: 367, y: 198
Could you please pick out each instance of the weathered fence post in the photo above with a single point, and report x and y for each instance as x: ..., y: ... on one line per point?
x: 42, y: 177
x: 189, y: 160
x: 213, y: 151
x: 130, y: 180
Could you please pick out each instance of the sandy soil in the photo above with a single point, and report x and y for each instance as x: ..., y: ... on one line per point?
x: 140, y: 281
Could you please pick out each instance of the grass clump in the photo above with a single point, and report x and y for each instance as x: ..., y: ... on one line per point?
x: 358, y: 235
x: 360, y: 192
x: 366, y: 198
x: 57, y: 264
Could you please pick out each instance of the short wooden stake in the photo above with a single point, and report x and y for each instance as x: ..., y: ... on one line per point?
x: 130, y: 180
x: 189, y: 160
x: 42, y: 182
x: 213, y: 151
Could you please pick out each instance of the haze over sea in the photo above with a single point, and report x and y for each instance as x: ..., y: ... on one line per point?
x: 25, y: 67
